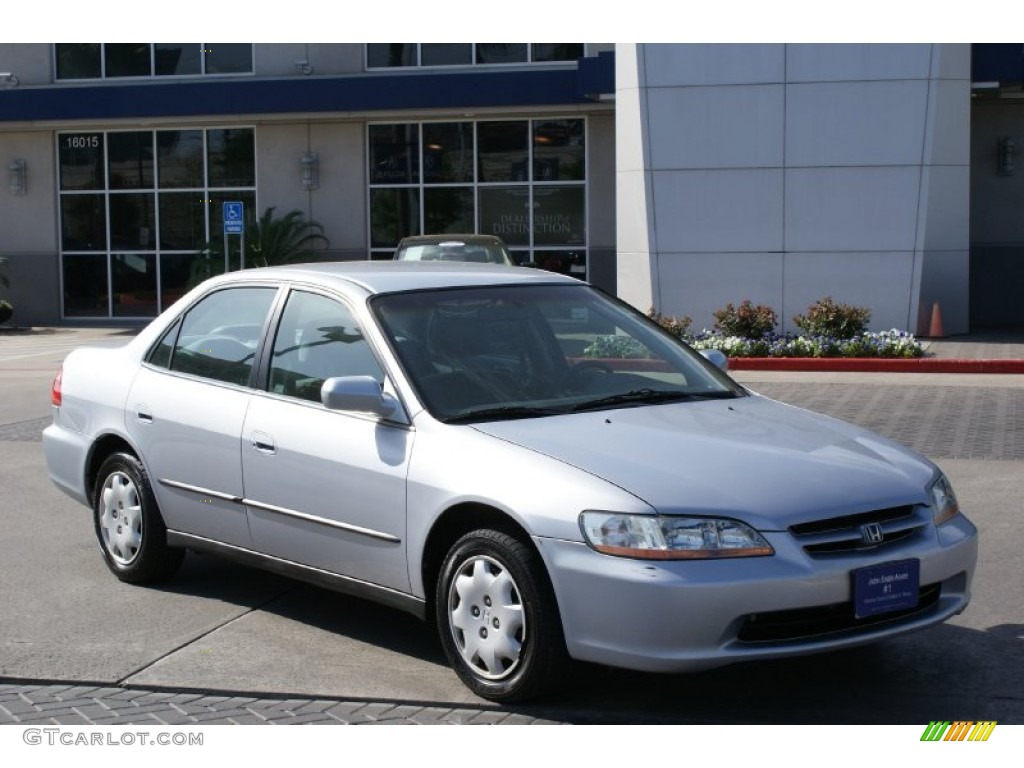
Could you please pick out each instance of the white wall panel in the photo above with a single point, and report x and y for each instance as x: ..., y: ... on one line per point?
x: 816, y: 63
x: 851, y: 209
x: 721, y: 127
x: 879, y: 280
x: 700, y: 211
x: 698, y: 284
x: 865, y: 123
x: 713, y: 64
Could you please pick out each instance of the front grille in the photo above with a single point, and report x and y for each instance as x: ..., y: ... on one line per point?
x: 837, y: 535
x: 809, y: 623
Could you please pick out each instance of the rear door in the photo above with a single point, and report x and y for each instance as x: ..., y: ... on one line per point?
x: 186, y: 409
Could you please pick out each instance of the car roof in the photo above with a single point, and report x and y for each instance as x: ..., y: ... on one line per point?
x: 393, y: 276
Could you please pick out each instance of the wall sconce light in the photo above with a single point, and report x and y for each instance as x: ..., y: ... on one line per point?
x: 309, y: 168
x: 1006, y: 153
x: 17, y: 175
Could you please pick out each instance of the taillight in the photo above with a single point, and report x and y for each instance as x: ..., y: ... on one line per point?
x: 55, y: 395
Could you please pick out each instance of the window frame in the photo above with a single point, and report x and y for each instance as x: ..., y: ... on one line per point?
x: 530, y: 60
x: 421, y: 186
x: 207, y: 193
x: 152, y: 66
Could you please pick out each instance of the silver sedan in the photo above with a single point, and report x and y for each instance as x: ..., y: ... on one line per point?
x: 534, y: 466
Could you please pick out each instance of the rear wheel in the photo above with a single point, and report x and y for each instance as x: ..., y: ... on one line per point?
x: 130, y: 530
x: 497, y: 618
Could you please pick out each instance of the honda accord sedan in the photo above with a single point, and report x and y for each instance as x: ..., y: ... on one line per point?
x: 533, y: 466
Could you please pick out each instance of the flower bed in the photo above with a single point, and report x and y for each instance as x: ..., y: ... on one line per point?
x: 885, y: 344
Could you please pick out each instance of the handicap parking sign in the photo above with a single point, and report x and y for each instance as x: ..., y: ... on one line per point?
x: 233, y: 219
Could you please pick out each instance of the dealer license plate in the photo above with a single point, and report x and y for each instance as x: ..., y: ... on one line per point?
x: 885, y: 588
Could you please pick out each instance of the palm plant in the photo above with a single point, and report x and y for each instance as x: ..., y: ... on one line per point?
x: 273, y: 240
x: 283, y: 240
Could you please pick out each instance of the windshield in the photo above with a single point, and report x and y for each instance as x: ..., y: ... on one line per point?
x: 523, y: 351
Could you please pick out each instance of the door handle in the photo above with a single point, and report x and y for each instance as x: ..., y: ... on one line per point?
x: 263, y: 443
x: 142, y: 414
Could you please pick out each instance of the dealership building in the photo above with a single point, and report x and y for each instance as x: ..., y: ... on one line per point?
x: 678, y: 176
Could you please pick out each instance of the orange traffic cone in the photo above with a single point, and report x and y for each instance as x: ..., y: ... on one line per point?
x: 935, y: 329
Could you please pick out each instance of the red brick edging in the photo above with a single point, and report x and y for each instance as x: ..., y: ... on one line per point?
x: 876, y: 364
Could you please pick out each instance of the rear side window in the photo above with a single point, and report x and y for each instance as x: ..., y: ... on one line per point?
x: 220, y: 334
x: 318, y: 338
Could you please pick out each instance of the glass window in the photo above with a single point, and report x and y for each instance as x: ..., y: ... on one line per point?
x: 523, y: 181
x: 134, y: 284
x: 558, y: 151
x: 231, y: 157
x: 391, y: 55
x: 227, y: 58
x: 77, y: 61
x: 81, y: 161
x: 160, y: 355
x: 446, y: 54
x: 500, y: 53
x: 318, y: 338
x: 85, y: 285
x: 505, y: 213
x: 127, y: 59
x: 130, y: 160
x: 144, y: 193
x: 132, y: 221
x: 220, y: 334
x: 181, y: 272
x: 178, y: 58
x: 182, y: 221
x: 448, y: 209
x: 557, y: 51
x: 180, y: 158
x: 447, y: 152
x: 394, y: 214
x: 504, y: 151
x: 558, y: 217
x: 83, y: 221
x: 394, y: 154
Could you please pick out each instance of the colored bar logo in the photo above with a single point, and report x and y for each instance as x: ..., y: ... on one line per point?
x: 959, y: 730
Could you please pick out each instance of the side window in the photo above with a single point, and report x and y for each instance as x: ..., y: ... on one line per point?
x: 160, y: 355
x: 219, y: 335
x: 318, y: 338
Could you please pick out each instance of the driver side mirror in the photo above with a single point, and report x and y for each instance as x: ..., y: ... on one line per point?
x: 357, y: 393
x: 716, y: 357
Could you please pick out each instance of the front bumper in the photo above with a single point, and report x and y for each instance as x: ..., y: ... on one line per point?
x: 689, y: 615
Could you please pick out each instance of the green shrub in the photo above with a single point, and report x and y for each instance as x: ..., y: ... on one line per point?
x: 748, y: 321
x: 677, y: 326
x: 827, y: 317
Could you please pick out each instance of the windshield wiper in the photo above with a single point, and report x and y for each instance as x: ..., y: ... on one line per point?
x: 501, y: 412
x: 649, y: 396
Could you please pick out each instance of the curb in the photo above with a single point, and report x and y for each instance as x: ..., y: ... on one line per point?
x: 876, y: 365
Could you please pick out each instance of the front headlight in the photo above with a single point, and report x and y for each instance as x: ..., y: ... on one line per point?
x: 654, y: 537
x: 944, y: 503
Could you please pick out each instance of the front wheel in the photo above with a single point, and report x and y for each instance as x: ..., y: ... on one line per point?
x: 497, y: 617
x: 130, y: 530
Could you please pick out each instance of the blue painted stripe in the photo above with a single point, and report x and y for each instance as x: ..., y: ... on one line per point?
x: 368, y: 92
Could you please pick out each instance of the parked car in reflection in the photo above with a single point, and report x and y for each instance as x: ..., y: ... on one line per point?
x: 532, y: 465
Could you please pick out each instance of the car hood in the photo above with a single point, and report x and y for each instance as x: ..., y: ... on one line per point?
x: 769, y: 464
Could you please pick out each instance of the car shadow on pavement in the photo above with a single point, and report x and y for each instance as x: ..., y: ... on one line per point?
x: 948, y: 672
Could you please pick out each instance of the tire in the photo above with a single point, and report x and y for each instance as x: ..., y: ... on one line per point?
x: 498, y: 619
x: 131, y: 533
